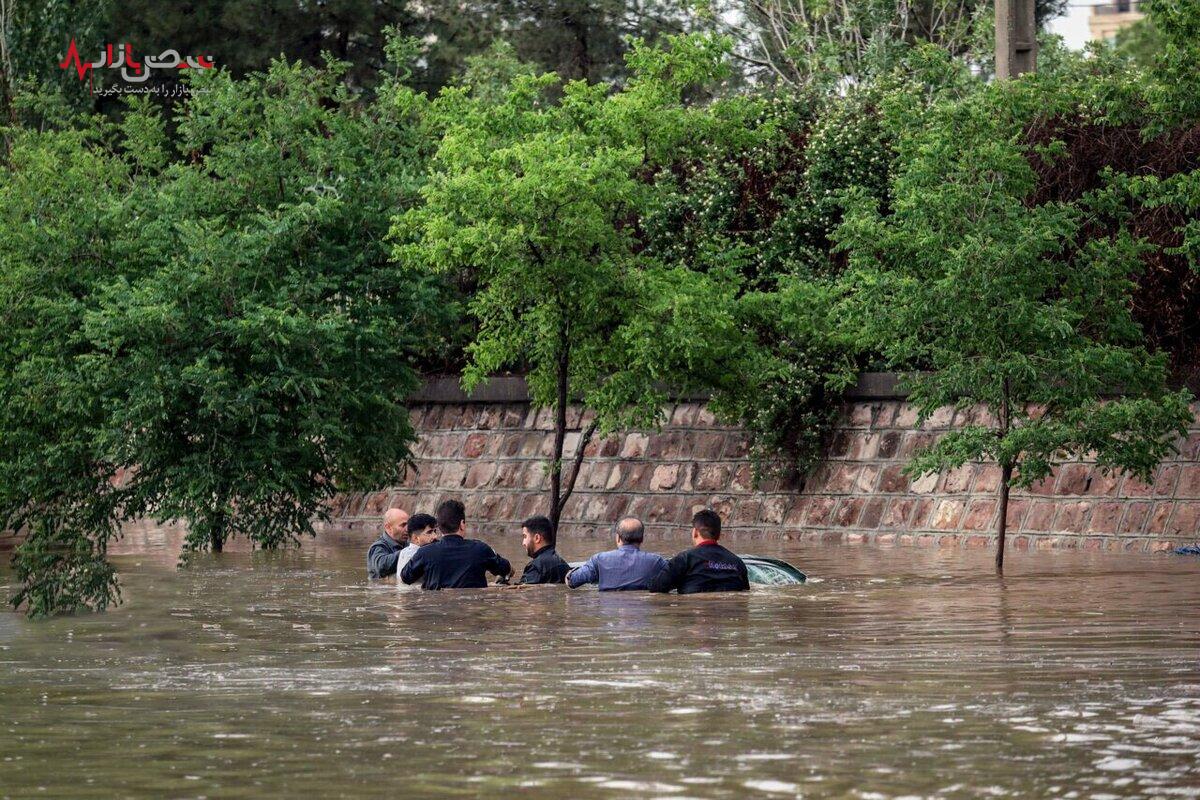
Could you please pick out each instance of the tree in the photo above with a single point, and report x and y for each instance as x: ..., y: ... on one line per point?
x: 1012, y: 306
x: 219, y: 339
x: 539, y: 201
x: 828, y: 43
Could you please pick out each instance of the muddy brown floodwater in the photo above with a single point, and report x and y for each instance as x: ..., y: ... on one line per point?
x: 894, y: 673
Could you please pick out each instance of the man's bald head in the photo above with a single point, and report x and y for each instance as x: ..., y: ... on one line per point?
x: 394, y: 522
x: 630, y: 530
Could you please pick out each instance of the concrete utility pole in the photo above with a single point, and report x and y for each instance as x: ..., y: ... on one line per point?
x: 1016, y: 38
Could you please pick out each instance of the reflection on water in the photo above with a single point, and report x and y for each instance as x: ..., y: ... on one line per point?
x: 904, y: 672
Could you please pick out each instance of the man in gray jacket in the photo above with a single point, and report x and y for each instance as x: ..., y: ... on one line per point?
x: 385, y: 552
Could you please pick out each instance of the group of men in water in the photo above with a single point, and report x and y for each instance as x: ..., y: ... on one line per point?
x: 434, y: 550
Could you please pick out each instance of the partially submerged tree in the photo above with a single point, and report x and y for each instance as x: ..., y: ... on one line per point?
x: 1014, y: 307
x: 538, y: 200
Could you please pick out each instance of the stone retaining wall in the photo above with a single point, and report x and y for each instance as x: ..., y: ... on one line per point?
x: 492, y: 455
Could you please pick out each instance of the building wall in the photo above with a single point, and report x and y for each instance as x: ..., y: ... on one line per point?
x: 1106, y: 20
x: 492, y: 455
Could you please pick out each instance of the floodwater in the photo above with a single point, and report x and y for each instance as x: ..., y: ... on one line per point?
x: 894, y: 673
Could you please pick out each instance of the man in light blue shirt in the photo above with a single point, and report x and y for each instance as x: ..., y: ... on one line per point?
x: 623, y: 569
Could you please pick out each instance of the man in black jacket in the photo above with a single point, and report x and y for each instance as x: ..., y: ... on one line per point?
x: 382, y: 557
x: 537, y: 535
x: 454, y: 562
x: 707, y: 567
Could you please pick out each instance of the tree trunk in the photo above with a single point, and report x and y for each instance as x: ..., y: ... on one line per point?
x: 216, y: 532
x: 570, y: 487
x: 1006, y: 471
x: 560, y: 432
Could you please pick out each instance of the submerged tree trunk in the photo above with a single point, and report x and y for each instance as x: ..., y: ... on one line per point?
x: 216, y: 533
x: 1005, y: 474
x: 1006, y: 470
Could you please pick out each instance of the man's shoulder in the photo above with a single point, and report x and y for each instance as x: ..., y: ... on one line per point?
x: 727, y: 553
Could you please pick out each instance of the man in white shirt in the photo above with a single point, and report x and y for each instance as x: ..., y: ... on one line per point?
x: 422, y: 529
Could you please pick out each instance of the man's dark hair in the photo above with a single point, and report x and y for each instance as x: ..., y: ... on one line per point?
x: 419, y: 522
x: 541, y: 525
x: 708, y: 523
x: 450, y: 516
x: 631, y: 530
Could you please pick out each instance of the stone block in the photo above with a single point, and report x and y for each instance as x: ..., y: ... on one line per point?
x: 906, y: 416
x: 1074, y: 480
x: 889, y: 444
x: 847, y: 512
x: 839, y: 445
x: 707, y: 446
x: 737, y: 447
x: 672, y: 446
x: 535, y: 476
x: 743, y: 479
x: 1135, y: 518
x: 922, y: 512
x: 683, y: 415
x: 987, y: 479
x: 794, y: 514
x: 860, y: 415
x: 914, y: 443
x: 947, y: 515
x: 1072, y: 517
x: 1043, y: 487
x: 1106, y: 517
x: 897, y: 513
x: 479, y: 475
x: 842, y: 478
x: 705, y: 418
x: 1157, y: 523
x: 665, y: 477
x: 924, y: 484
x: 475, y: 445
x: 872, y: 513
x: 866, y: 479
x: 712, y: 477
x: 1165, y: 481
x: 773, y: 510
x: 885, y: 415
x: 1104, y: 484
x: 820, y: 510
x: 979, y: 515
x: 1185, y: 521
x: 892, y: 479
x: 634, y: 445
x: 958, y: 480
x: 1017, y: 509
x: 1189, y: 482
x: 940, y: 419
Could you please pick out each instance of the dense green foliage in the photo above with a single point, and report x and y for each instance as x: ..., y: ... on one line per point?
x: 216, y: 316
x: 208, y: 330
x: 1012, y: 307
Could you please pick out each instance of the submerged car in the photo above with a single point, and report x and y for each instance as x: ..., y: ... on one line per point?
x: 772, y: 571
x: 762, y: 570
